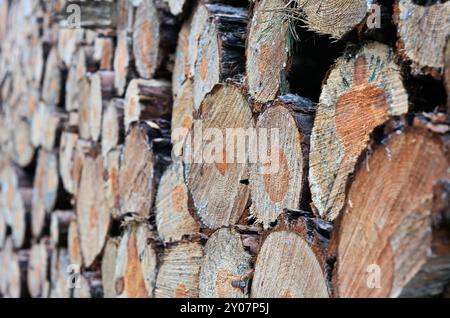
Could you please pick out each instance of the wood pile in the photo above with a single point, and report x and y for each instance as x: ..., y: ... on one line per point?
x: 116, y: 174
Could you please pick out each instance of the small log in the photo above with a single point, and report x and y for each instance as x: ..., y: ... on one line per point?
x: 197, y: 25
x: 103, y: 53
x: 447, y: 75
x: 85, y: 109
x: 335, y: 18
x: 172, y: 207
x: 101, y: 88
x: 73, y: 244
x: 4, y: 8
x: 113, y: 130
x: 17, y: 275
x: 51, y: 129
x: 181, y: 69
x: 141, y: 167
x: 51, y: 89
x: 66, y: 159
x: 108, y: 267
x: 3, y: 229
x: 392, y: 238
x: 147, y: 100
x: 6, y: 254
x: 423, y: 31
x: 45, y: 190
x: 111, y: 182
x: 9, y: 188
x: 209, y: 170
x: 77, y: 80
x: 182, y: 117
x: 154, y: 38
x: 60, y: 287
x: 37, y: 125
x: 135, y: 274
x: 23, y: 149
x: 291, y: 261
x: 93, y: 217
x: 59, y: 227
x: 176, y: 6
x: 68, y: 39
x: 221, y: 49
x: 227, y: 266
x: 122, y: 62
x: 81, y: 148
x: 21, y: 217
x: 38, y: 269
x: 281, y: 182
x: 178, y: 275
x: 46, y: 127
x: 267, y: 51
x: 362, y: 91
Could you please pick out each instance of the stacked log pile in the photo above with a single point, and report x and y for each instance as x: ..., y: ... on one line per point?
x: 109, y: 110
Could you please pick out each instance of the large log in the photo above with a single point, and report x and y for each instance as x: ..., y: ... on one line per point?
x: 215, y: 175
x: 362, y: 91
x: 392, y: 238
x: 279, y: 179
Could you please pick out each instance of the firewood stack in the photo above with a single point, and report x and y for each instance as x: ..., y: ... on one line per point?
x: 104, y: 193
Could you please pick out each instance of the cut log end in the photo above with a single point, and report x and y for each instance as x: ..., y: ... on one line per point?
x: 135, y: 273
x: 279, y: 180
x: 173, y: 217
x: 399, y: 241
x: 93, y: 217
x: 290, y: 263
x: 226, y: 267
x: 178, y: 275
x: 267, y: 51
x: 423, y: 32
x: 360, y: 94
x: 224, y: 203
